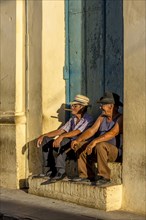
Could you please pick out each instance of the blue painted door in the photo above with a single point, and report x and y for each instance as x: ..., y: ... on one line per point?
x: 94, y: 49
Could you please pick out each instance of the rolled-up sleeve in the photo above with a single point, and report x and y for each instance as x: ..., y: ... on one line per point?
x: 67, y: 126
x: 84, y: 124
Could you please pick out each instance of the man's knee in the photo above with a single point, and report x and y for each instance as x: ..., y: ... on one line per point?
x: 46, y: 140
x: 81, y: 148
x: 65, y: 141
x: 100, y: 146
x: 47, y: 144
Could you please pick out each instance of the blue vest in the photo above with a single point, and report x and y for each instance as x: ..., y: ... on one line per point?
x: 107, y: 126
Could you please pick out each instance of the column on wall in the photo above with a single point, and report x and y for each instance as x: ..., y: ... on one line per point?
x: 134, y: 163
x: 12, y: 94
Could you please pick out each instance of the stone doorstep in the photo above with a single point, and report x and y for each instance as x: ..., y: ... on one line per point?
x: 107, y: 197
x: 116, y: 172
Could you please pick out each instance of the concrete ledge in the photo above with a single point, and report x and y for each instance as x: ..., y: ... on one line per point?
x: 106, y: 198
x: 116, y: 172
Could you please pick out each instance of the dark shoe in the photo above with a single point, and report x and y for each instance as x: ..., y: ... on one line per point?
x: 49, y: 174
x: 46, y: 182
x: 97, y: 178
x: 79, y: 179
x: 59, y: 176
x: 102, y: 181
x: 42, y: 175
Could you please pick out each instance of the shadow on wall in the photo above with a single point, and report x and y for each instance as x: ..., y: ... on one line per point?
x: 34, y: 154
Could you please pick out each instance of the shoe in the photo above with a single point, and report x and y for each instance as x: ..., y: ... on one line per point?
x: 67, y: 178
x: 48, y: 174
x: 59, y: 176
x: 42, y: 175
x: 102, y: 181
x: 97, y: 178
x: 46, y: 182
x: 79, y: 179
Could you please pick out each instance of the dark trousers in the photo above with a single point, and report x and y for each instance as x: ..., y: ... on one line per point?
x: 55, y: 158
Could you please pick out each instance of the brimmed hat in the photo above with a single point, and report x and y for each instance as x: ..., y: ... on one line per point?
x: 80, y: 99
x: 110, y: 98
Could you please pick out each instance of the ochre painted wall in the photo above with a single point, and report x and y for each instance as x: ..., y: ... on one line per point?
x: 53, y: 55
x: 12, y: 94
x: 134, y: 164
x: 32, y: 60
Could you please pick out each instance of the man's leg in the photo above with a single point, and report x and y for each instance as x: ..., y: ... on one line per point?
x: 85, y: 162
x: 48, y: 158
x: 105, y: 153
x: 48, y: 163
x: 61, y: 158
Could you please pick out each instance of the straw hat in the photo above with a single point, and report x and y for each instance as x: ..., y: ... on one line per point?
x: 80, y: 99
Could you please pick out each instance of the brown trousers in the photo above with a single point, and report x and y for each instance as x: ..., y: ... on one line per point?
x: 102, y: 153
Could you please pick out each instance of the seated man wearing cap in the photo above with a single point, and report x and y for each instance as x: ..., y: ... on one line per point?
x: 106, y: 142
x: 54, y: 149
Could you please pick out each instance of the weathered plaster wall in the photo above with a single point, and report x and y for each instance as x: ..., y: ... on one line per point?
x: 134, y: 164
x: 12, y: 97
x: 8, y: 173
x: 7, y: 93
x: 23, y: 67
x: 53, y: 55
x: 33, y: 83
x: 8, y: 54
x: 20, y: 118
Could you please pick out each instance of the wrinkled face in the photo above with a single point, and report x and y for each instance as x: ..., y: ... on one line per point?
x: 107, y: 109
x: 76, y: 108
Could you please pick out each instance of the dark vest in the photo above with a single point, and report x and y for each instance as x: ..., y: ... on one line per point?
x: 107, y: 126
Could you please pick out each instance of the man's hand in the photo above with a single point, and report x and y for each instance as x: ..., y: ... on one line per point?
x: 40, y: 139
x: 90, y: 147
x: 57, y: 141
x: 74, y: 144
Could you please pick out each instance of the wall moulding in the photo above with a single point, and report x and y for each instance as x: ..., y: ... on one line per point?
x: 12, y: 117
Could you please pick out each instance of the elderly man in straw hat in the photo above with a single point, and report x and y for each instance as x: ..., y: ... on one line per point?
x: 106, y: 142
x: 54, y: 150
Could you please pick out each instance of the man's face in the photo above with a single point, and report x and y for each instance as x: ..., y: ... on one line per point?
x: 76, y: 108
x: 107, y: 109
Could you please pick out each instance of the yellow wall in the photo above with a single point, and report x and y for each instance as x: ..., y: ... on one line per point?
x: 12, y: 112
x: 53, y: 55
x: 32, y: 80
x: 134, y: 164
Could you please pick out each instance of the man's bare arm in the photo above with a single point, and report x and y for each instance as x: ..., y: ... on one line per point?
x: 88, y: 133
x: 49, y: 134
x: 70, y: 134
x: 118, y: 128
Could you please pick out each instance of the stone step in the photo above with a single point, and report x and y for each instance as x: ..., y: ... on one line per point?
x: 107, y: 197
x: 116, y: 172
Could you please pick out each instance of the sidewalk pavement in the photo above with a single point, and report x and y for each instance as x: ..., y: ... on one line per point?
x: 19, y: 205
